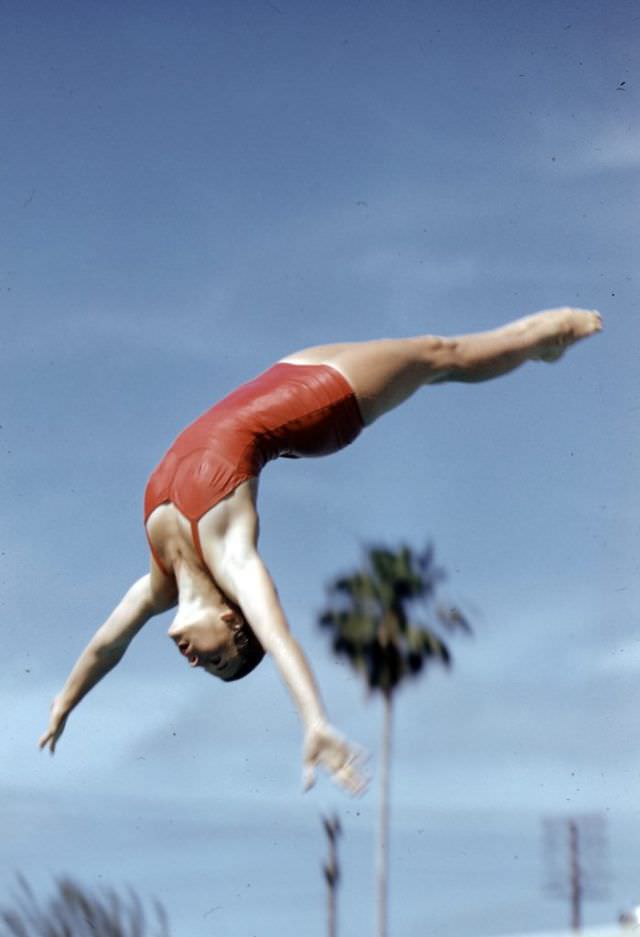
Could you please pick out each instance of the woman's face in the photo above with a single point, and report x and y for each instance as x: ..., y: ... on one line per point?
x: 208, y: 641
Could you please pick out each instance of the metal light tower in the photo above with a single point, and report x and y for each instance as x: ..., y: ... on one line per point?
x: 575, y: 850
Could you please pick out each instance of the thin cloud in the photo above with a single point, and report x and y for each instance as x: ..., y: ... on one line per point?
x: 589, y: 148
x: 73, y: 336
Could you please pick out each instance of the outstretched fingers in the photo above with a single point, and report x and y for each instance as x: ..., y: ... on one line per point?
x: 344, y: 762
x: 57, y: 722
x: 48, y: 740
x: 351, y: 775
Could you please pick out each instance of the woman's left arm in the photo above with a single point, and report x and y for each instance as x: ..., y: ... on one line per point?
x: 246, y: 580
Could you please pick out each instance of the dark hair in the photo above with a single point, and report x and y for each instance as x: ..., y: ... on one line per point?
x: 249, y: 649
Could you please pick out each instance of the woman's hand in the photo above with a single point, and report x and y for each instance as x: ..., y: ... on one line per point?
x: 57, y: 722
x: 324, y: 746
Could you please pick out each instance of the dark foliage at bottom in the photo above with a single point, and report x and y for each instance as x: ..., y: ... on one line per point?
x: 73, y: 911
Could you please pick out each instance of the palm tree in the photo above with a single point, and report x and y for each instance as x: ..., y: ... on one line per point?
x: 370, y: 619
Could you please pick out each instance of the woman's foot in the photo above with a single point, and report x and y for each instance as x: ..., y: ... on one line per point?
x: 554, y: 330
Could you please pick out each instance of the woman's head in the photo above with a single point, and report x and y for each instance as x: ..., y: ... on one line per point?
x: 249, y: 651
x: 217, y: 638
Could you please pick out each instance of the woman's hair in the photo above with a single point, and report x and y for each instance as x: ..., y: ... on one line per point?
x: 249, y: 649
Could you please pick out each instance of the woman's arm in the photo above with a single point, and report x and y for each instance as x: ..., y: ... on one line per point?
x: 246, y: 581
x: 105, y: 649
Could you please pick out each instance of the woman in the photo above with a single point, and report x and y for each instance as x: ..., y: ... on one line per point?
x: 202, y: 523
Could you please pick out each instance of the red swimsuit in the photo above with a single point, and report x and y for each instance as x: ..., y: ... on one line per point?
x: 291, y: 410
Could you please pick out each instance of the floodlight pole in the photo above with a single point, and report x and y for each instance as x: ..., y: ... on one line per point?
x: 577, y: 842
x: 576, y: 876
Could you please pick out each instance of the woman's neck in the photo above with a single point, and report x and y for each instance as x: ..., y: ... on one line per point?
x: 196, y: 588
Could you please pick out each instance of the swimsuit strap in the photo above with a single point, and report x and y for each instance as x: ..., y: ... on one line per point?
x: 196, y: 542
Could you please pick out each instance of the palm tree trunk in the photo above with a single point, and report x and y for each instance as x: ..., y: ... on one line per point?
x: 383, y: 822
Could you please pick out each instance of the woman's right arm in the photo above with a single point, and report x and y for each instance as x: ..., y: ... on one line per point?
x: 105, y: 649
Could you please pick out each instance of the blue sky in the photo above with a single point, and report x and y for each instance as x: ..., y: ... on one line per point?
x: 191, y: 191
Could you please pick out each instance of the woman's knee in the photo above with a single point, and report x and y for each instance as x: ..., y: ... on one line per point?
x: 439, y: 356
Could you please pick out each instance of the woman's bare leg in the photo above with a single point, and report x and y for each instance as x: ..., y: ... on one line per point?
x: 386, y: 372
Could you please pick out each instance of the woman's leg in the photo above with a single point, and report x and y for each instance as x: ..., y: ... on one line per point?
x: 384, y: 373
